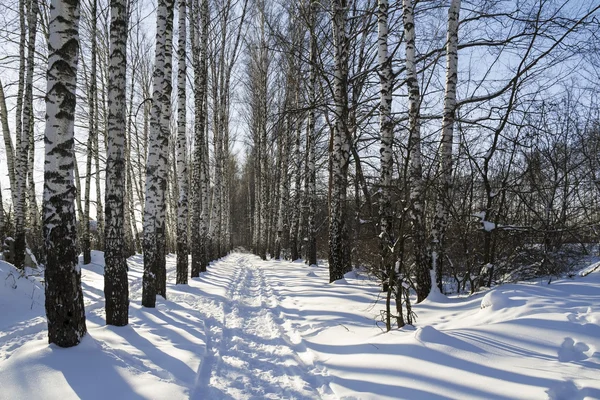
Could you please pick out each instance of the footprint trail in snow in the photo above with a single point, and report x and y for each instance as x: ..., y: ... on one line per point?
x: 249, y: 354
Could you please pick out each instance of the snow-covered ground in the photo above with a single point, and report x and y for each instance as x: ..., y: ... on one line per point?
x: 253, y: 329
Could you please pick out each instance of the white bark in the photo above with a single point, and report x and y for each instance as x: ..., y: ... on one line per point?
x: 263, y: 70
x: 64, y: 299
x: 445, y: 152
x: 156, y: 169
x: 199, y: 194
x: 8, y: 146
x: 386, y: 132
x: 295, y: 239
x: 182, y: 173
x: 414, y: 148
x: 311, y: 178
x: 24, y: 123
x: 339, y: 152
x: 116, y: 286
x: 92, y: 139
x: 28, y: 118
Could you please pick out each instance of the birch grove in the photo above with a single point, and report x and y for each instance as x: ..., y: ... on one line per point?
x: 342, y: 133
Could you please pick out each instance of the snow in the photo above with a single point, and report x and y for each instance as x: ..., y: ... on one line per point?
x: 488, y: 226
x: 253, y: 329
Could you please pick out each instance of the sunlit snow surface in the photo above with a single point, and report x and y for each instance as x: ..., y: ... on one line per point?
x: 253, y: 329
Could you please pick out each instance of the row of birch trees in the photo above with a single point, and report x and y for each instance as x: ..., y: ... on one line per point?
x: 367, y: 138
x: 104, y: 83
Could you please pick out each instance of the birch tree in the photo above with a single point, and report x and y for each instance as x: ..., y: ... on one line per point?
x: 116, y: 285
x: 92, y: 138
x: 21, y: 149
x: 22, y: 141
x: 182, y: 173
x: 262, y: 74
x: 200, y: 184
x: 416, y: 213
x: 64, y: 298
x: 339, y: 149
x: 28, y: 150
x: 156, y: 169
x: 8, y: 146
x: 310, y: 165
x: 442, y: 212
x: 386, y: 133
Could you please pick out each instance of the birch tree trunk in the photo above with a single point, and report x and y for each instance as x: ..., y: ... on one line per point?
x: 92, y: 139
x: 311, y: 170
x: 283, y: 180
x: 129, y: 207
x: 199, y: 179
x: 339, y: 150
x: 28, y: 119
x: 182, y: 174
x: 64, y: 299
x: 440, y: 221
x: 131, y: 179
x: 386, y: 132
x: 20, y: 151
x: 8, y: 146
x: 263, y: 110
x: 116, y: 285
x: 129, y: 212
x: 416, y: 214
x: 24, y: 94
x: 295, y: 243
x: 257, y: 183
x: 10, y: 161
x: 99, y: 207
x: 156, y: 169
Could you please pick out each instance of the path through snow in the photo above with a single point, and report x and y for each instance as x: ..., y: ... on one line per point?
x: 249, y: 354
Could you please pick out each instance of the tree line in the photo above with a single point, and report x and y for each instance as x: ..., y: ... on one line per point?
x: 443, y: 146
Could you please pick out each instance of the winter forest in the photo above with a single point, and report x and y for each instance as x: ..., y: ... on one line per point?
x: 336, y: 199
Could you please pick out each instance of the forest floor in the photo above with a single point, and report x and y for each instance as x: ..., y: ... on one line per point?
x: 253, y: 329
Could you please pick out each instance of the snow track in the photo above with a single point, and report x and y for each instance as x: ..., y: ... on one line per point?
x: 249, y: 353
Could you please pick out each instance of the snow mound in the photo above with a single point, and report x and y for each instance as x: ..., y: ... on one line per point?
x: 342, y: 281
x: 430, y: 334
x: 311, y: 274
x: 351, y: 275
x: 436, y: 297
x: 501, y: 299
